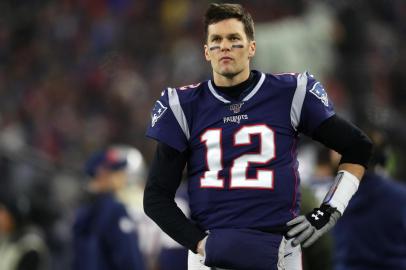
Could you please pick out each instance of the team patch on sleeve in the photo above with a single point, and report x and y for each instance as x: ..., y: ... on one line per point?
x: 320, y: 93
x: 157, y: 112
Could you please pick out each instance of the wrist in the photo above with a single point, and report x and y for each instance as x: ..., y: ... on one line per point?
x: 344, y: 187
x: 201, y: 246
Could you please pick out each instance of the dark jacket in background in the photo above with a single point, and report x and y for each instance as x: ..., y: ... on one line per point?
x: 105, y: 238
x: 371, y: 235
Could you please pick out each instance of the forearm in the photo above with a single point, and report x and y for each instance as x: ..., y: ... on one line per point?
x: 159, y: 204
x: 355, y: 169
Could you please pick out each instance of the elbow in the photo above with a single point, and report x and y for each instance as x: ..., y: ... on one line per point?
x: 359, y: 152
x: 155, y: 199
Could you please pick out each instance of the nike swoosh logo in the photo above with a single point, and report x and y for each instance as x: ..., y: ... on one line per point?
x: 286, y: 255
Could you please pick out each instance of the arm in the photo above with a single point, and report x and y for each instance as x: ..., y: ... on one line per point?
x: 164, y: 178
x: 348, y: 140
x: 356, y: 149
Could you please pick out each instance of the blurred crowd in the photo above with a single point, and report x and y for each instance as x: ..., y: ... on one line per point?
x: 79, y: 75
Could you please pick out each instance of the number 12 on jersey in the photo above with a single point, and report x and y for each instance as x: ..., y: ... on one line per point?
x: 212, y: 138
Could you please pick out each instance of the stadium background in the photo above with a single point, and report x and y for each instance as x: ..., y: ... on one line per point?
x: 76, y: 76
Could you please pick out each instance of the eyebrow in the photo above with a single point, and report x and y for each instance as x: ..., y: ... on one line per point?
x: 234, y: 35
x: 227, y: 36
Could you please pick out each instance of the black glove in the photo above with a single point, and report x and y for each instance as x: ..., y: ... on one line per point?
x: 309, y: 228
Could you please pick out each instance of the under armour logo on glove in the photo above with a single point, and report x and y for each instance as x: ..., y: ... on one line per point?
x: 316, y: 216
x: 307, y: 229
x: 319, y: 216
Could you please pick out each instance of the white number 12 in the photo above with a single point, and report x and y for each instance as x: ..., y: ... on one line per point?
x: 212, y: 138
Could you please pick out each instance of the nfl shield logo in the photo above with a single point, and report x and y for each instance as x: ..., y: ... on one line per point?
x: 236, y: 108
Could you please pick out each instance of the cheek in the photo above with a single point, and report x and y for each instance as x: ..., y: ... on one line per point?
x: 244, y: 55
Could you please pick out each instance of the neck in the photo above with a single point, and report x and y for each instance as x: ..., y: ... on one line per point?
x: 221, y: 80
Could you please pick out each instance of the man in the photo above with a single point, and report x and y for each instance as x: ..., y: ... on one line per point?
x: 104, y: 235
x: 376, y: 239
x: 238, y: 133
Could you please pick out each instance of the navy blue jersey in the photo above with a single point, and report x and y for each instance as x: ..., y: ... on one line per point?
x: 242, y: 169
x: 104, y: 237
x: 371, y: 235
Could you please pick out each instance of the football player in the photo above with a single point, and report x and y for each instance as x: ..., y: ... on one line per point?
x: 237, y: 133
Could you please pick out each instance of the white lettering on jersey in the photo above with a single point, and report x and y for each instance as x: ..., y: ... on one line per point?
x: 235, y: 118
x: 212, y: 138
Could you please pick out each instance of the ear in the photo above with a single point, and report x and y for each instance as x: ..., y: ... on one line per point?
x: 251, y: 49
x: 206, y: 52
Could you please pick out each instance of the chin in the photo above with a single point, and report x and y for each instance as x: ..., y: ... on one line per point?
x: 227, y: 72
x: 230, y: 73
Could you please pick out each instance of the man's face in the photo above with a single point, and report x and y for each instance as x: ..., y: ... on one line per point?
x: 228, y: 48
x: 107, y: 181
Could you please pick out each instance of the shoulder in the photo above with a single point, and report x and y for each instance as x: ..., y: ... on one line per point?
x: 115, y: 208
x: 186, y: 93
x: 109, y: 208
x: 285, y: 81
x: 288, y: 77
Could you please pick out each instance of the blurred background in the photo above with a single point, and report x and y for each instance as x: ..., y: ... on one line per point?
x: 79, y: 75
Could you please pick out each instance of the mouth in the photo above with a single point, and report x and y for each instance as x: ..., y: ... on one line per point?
x: 225, y: 58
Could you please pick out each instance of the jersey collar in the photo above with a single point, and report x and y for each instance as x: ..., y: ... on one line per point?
x: 246, y: 98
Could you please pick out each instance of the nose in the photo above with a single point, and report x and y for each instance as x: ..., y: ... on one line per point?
x: 225, y: 45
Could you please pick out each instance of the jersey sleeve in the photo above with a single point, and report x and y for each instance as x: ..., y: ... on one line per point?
x: 311, y: 105
x: 167, y: 121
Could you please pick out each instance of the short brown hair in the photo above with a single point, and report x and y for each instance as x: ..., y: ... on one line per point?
x: 220, y: 12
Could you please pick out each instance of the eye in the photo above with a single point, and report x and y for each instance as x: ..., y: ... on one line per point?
x: 235, y: 38
x: 215, y: 39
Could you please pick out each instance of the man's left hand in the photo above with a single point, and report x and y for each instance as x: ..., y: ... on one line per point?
x: 307, y: 229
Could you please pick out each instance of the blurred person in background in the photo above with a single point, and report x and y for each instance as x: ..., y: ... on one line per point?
x: 158, y: 249
x: 372, y: 233
x: 22, y: 246
x: 105, y: 237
